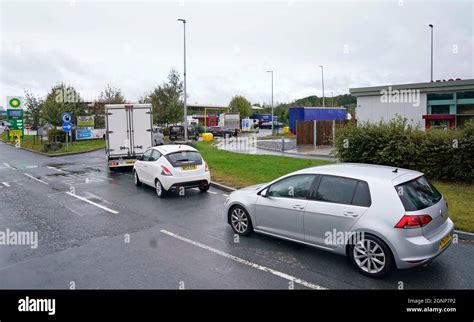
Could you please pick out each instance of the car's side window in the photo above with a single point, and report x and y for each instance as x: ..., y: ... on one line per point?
x: 336, y: 189
x: 297, y: 187
x: 147, y: 155
x: 155, y: 155
x: 362, y: 195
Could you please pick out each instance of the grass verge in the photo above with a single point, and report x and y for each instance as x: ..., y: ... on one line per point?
x: 240, y: 170
x: 29, y: 142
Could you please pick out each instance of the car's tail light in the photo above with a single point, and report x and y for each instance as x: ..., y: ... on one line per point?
x: 415, y: 221
x: 206, y: 167
x: 165, y: 171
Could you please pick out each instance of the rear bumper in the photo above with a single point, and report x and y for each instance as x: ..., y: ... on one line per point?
x: 415, y: 251
x: 119, y: 163
x: 174, y: 183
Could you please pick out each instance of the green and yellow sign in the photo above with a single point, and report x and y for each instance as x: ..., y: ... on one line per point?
x: 85, y: 121
x: 15, y: 102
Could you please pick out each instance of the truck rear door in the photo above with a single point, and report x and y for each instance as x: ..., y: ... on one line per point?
x: 117, y: 131
x: 141, y: 129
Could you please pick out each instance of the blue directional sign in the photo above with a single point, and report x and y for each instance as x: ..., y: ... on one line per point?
x: 66, y: 117
x: 67, y: 126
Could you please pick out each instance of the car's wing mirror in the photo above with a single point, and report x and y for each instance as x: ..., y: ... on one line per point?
x: 140, y: 157
x: 264, y: 193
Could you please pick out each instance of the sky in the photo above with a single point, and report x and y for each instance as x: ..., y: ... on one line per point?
x: 132, y: 45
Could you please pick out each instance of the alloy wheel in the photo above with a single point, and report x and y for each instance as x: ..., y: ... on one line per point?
x: 240, y: 220
x: 369, y: 256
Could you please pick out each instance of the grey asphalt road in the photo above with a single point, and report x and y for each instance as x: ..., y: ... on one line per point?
x: 96, y: 230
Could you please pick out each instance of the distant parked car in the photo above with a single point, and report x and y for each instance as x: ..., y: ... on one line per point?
x: 379, y: 216
x: 170, y: 168
x: 268, y: 125
x: 218, y: 131
x: 177, y: 133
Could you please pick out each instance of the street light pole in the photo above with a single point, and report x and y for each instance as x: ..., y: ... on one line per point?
x: 322, y: 79
x: 431, y: 27
x: 273, y: 121
x: 185, y: 106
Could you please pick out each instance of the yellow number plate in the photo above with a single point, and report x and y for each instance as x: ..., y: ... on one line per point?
x: 130, y: 161
x: 189, y: 167
x: 444, y: 241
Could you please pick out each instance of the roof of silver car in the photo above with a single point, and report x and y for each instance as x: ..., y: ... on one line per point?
x: 363, y: 171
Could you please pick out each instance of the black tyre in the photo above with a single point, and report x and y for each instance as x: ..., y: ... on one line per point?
x: 371, y: 256
x: 136, y: 180
x: 240, y: 221
x: 204, y: 188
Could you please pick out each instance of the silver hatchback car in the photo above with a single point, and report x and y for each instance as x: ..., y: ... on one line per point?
x: 379, y: 216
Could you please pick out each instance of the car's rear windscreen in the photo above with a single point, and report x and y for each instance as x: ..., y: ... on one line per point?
x: 184, y: 158
x: 418, y: 194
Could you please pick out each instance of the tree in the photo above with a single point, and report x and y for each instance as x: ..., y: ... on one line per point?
x: 62, y: 98
x: 33, y: 109
x: 166, y: 100
x: 109, y: 95
x: 241, y: 105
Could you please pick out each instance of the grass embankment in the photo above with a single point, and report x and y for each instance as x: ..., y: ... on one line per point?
x: 29, y: 142
x: 460, y: 197
x: 240, y: 170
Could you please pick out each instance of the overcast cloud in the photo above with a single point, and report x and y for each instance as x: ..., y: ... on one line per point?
x: 132, y: 45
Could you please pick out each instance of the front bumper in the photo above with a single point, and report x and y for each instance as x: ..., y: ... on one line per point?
x: 415, y: 251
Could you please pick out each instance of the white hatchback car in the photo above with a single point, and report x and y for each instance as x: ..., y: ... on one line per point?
x: 172, y: 168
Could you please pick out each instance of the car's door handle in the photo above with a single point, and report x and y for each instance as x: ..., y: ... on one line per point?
x: 299, y: 207
x: 350, y: 214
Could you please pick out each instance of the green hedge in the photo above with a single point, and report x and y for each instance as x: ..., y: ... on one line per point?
x: 444, y: 155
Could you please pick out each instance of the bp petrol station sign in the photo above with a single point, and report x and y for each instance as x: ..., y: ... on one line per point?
x: 15, y: 117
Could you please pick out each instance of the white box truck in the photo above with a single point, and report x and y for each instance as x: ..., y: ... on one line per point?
x: 129, y: 132
x: 230, y: 121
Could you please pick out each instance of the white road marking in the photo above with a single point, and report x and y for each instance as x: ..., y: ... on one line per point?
x: 31, y: 167
x: 92, y: 203
x: 225, y: 195
x: 53, y: 168
x: 246, y: 262
x: 8, y: 166
x: 6, y: 184
x: 213, y: 192
x: 34, y: 178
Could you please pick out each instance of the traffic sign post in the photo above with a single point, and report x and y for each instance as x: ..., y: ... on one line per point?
x: 67, y: 127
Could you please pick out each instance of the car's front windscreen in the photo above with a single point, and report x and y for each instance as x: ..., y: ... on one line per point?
x: 184, y: 158
x: 418, y: 194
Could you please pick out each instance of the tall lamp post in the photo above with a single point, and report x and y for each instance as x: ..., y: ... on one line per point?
x: 431, y: 27
x: 322, y: 79
x: 273, y: 121
x: 185, y: 107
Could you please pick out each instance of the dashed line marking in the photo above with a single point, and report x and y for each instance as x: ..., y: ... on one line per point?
x: 53, y: 168
x: 8, y: 166
x: 246, y: 262
x: 213, y: 192
x: 34, y: 178
x: 92, y: 203
x: 225, y: 195
x: 6, y: 184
